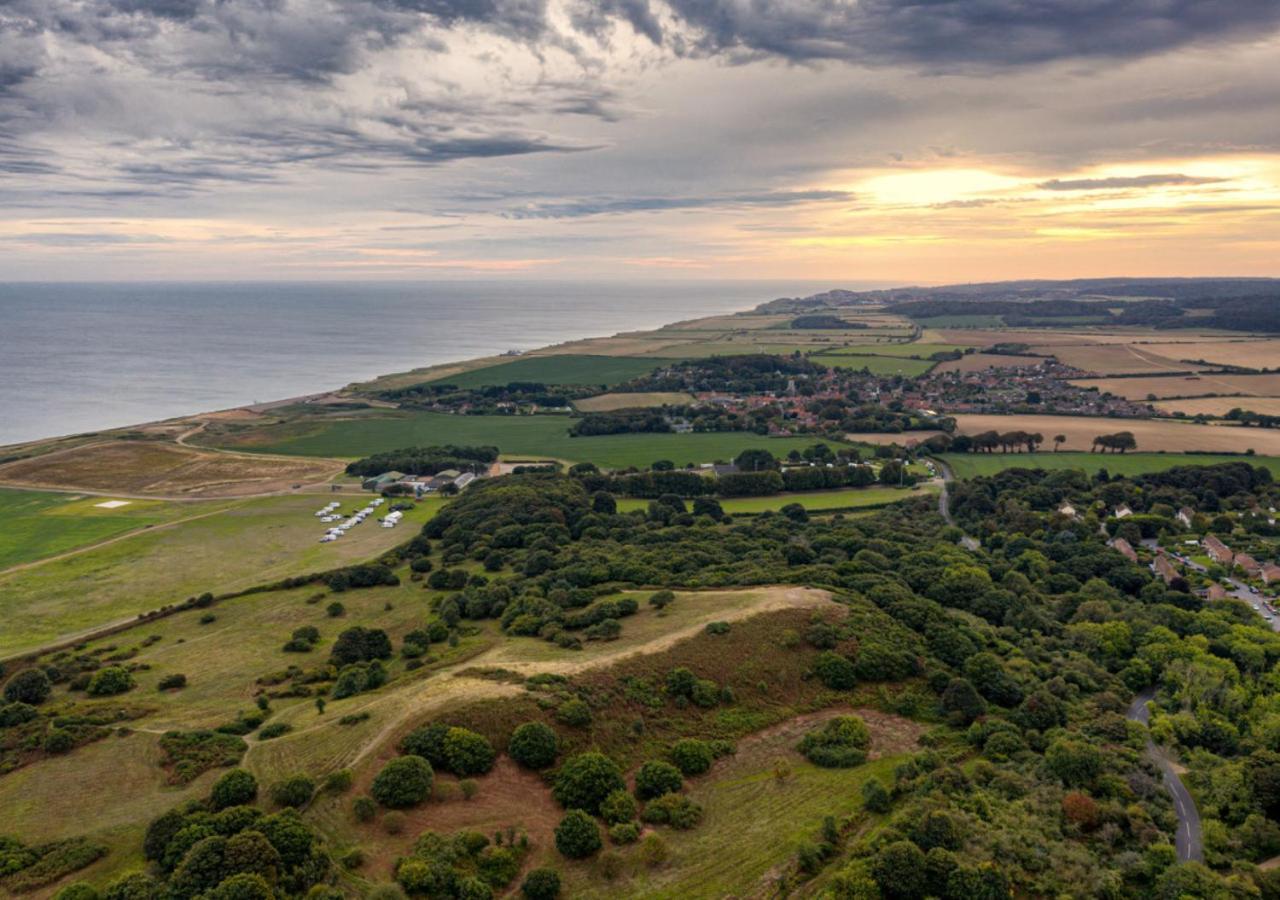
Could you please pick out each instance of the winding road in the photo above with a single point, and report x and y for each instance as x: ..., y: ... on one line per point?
x: 944, y: 503
x: 1187, y: 841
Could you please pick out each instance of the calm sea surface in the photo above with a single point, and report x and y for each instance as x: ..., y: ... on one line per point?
x: 80, y: 357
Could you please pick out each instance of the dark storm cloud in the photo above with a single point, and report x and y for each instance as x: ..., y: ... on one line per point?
x: 604, y: 206
x: 962, y: 33
x: 1134, y: 181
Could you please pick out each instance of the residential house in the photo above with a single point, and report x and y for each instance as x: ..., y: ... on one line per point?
x: 1216, y: 592
x: 1164, y: 569
x: 1218, y: 551
x: 1184, y: 516
x: 1248, y: 564
x: 1270, y: 573
x: 1125, y: 549
x: 1067, y: 510
x: 1123, y: 511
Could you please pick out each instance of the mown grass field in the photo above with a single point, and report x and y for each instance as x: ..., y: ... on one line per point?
x: 536, y: 436
x: 609, y: 402
x: 248, y: 544
x: 815, y: 501
x: 602, y: 370
x: 969, y: 465
x: 39, y: 524
x: 876, y: 365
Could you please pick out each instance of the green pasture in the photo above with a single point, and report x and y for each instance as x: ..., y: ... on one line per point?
x: 815, y: 501
x: 877, y: 365
x: 248, y: 544
x: 586, y: 370
x: 970, y: 465
x: 39, y: 524
x: 523, y: 436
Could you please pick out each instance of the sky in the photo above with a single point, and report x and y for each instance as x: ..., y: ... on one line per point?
x: 922, y: 141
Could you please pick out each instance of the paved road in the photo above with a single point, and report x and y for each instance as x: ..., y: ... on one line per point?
x: 944, y: 503
x: 1187, y: 841
x: 1239, y: 589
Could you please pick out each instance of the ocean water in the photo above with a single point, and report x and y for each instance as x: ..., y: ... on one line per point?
x: 82, y: 357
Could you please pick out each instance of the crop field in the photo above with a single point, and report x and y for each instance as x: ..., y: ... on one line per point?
x: 537, y: 436
x: 251, y: 543
x: 41, y: 524
x: 913, y: 349
x: 601, y: 370
x: 977, y: 362
x: 1115, y: 359
x: 877, y: 365
x: 960, y: 321
x: 815, y: 501
x: 610, y: 402
x: 1264, y: 354
x: 163, y: 469
x: 1218, y: 406
x: 1151, y: 434
x: 969, y: 465
x: 1201, y: 385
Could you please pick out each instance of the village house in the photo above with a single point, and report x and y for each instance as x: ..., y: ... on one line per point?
x: 1218, y: 551
x: 1123, y: 511
x: 1164, y: 569
x: 1270, y: 573
x: 1184, y: 516
x: 1067, y: 510
x: 1248, y: 565
x: 1216, y: 592
x: 1125, y: 549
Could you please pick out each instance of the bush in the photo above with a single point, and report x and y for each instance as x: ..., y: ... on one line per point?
x: 58, y: 740
x: 467, y: 753
x: 875, y: 798
x: 574, y: 712
x: 234, y: 788
x: 675, y: 810
x: 692, y: 756
x: 293, y: 792
x: 624, y: 833
x: 654, y: 851
x: 661, y: 600
x: 656, y: 778
x: 172, y: 682
x: 541, y: 884
x: 834, y: 671
x: 338, y: 782
x: 30, y: 686
x: 585, y: 781
x: 405, y: 781
x: 134, y: 886
x: 335, y: 609
x: 364, y: 809
x: 619, y: 807
x: 78, y: 891
x: 393, y: 822
x: 274, y: 730
x: 534, y: 745
x: 577, y: 835
x: 840, y: 744
x: 110, y: 681
x: 427, y: 741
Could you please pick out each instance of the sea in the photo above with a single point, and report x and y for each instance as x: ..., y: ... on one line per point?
x: 77, y: 357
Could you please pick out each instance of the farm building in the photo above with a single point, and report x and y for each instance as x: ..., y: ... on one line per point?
x: 378, y: 482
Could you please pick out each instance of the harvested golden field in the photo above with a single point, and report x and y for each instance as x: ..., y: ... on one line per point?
x: 164, y: 469
x: 1202, y: 385
x: 976, y: 362
x: 1263, y: 354
x: 1115, y: 359
x: 903, y: 438
x: 1151, y: 434
x: 610, y: 402
x: 1218, y: 406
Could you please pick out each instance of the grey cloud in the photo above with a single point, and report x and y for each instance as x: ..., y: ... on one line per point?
x: 1134, y: 181
x: 604, y: 206
x: 81, y: 239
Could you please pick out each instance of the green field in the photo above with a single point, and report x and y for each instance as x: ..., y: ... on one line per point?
x: 250, y: 543
x: 960, y: 322
x: 816, y: 501
x: 921, y: 351
x: 523, y: 436
x: 877, y: 365
x: 968, y: 465
x: 586, y: 370
x: 40, y: 524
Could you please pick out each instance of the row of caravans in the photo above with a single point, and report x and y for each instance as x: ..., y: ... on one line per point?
x: 328, y: 514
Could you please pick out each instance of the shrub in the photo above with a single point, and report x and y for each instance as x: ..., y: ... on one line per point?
x: 274, y: 730
x: 717, y: 628
x: 364, y: 808
x: 840, y: 744
x: 468, y: 787
x: 875, y: 797
x: 338, y: 782
x: 680, y: 682
x: 624, y: 833
x: 58, y: 740
x: 427, y: 741
x: 110, y: 681
x: 467, y: 753
x: 234, y: 788
x: 585, y: 781
x: 574, y: 712
x: 335, y: 609
x: 243, y: 886
x: 577, y: 835
x: 654, y: 851
x: 404, y: 781
x: 30, y: 686
x: 541, y: 884
x: 534, y: 745
x: 172, y: 682
x: 393, y: 822
x: 134, y: 886
x: 675, y: 810
x: 656, y: 778
x: 293, y: 792
x: 692, y: 756
x: 78, y: 891
x: 835, y: 671
x: 618, y: 807
x: 662, y: 599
